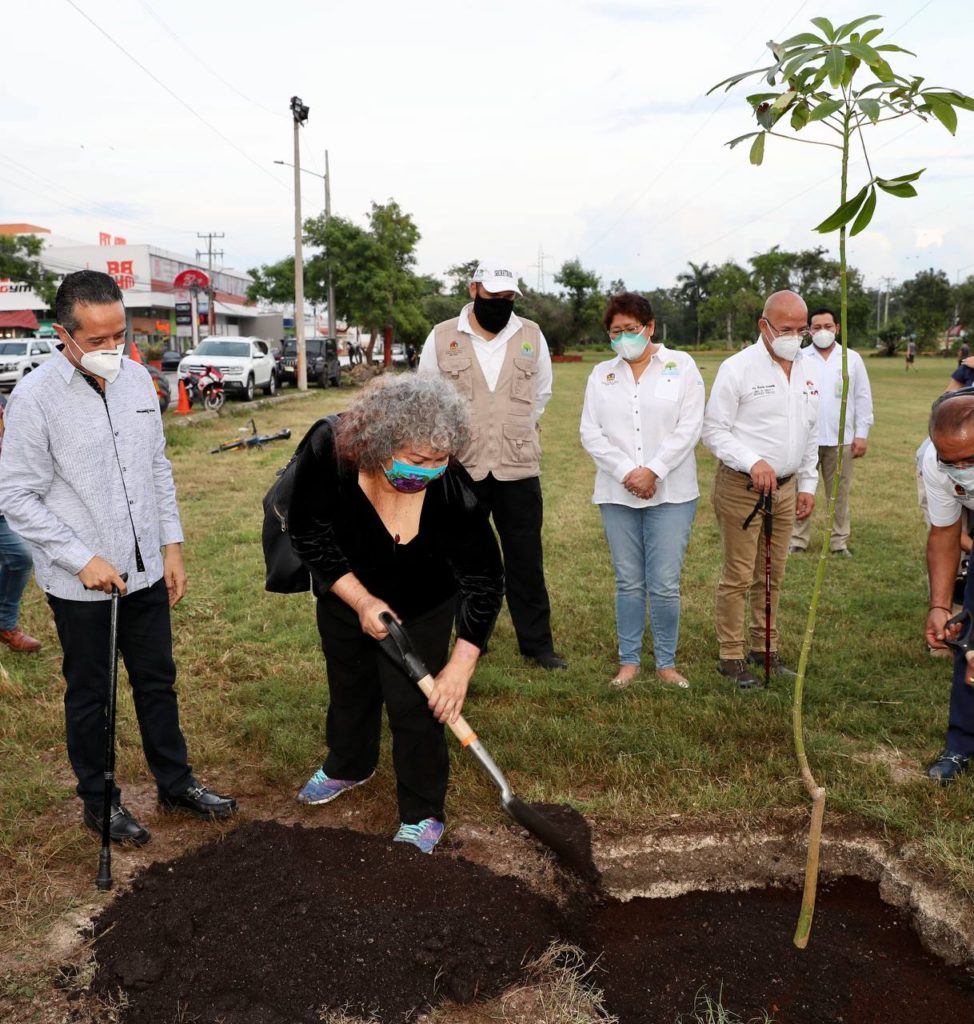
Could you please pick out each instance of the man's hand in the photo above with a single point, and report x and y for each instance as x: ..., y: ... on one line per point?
x: 859, y: 445
x: 763, y: 477
x: 804, y: 505
x: 934, y: 633
x: 450, y: 686
x: 641, y: 482
x: 100, y: 575
x: 174, y: 573
x: 968, y: 362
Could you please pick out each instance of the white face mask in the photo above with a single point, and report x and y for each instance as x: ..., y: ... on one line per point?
x: 786, y: 346
x: 823, y: 339
x: 962, y: 476
x: 104, y: 362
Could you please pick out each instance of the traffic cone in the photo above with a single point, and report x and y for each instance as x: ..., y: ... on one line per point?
x: 134, y: 354
x: 182, y: 406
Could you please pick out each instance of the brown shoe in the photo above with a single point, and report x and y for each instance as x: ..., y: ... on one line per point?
x: 17, y: 640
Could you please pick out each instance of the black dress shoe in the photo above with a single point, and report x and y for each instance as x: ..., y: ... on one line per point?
x: 124, y: 828
x: 550, y: 660
x: 948, y: 767
x: 200, y: 801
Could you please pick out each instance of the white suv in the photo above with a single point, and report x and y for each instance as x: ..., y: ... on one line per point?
x: 18, y: 356
x: 246, y: 363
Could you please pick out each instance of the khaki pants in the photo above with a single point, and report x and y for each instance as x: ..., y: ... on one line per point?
x: 828, y: 457
x: 742, y: 571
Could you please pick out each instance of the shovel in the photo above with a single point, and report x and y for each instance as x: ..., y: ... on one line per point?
x: 399, y: 647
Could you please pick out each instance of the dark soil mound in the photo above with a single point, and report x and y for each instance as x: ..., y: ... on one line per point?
x: 576, y: 834
x: 275, y: 923
x: 864, y: 964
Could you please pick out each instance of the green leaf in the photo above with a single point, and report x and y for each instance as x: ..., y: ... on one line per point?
x: 757, y: 149
x: 804, y: 57
x: 902, y: 190
x: 901, y: 177
x: 803, y: 39
x: 761, y: 97
x: 957, y: 99
x: 729, y: 83
x: 800, y: 115
x: 844, y: 213
x: 740, y: 139
x: 863, y: 52
x: 890, y: 48
x: 942, y: 111
x: 883, y: 71
x: 825, y: 109
x: 844, y: 30
x: 870, y: 108
x: 826, y: 26
x: 850, y: 69
x: 835, y: 65
x: 873, y: 33
x: 865, y: 214
x: 783, y: 102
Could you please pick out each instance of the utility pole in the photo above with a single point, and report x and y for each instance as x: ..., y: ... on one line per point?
x: 299, y: 113
x: 879, y: 303
x: 542, y: 256
x: 331, y: 291
x: 210, y: 253
x: 889, y: 282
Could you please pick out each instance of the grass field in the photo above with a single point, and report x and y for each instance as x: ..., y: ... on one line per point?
x: 252, y: 680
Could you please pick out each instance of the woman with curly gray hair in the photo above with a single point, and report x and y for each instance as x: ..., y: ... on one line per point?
x: 385, y: 519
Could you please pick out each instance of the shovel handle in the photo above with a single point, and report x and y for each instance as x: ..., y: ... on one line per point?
x: 460, y: 728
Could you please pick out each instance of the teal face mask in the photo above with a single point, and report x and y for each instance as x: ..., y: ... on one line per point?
x: 630, y: 346
x: 409, y: 479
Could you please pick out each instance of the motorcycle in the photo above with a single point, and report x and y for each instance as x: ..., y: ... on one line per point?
x: 205, y: 386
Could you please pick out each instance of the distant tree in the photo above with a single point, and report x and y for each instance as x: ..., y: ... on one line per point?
x: 927, y: 304
x: 616, y: 286
x: 694, y: 289
x: 733, y: 306
x: 583, y: 289
x: 20, y: 262
x: 460, y: 275
x: 272, y: 282
x: 963, y: 295
x: 891, y: 334
x: 671, y: 316
x: 551, y: 313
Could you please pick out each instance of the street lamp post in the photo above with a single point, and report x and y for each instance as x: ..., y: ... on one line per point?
x: 299, y: 113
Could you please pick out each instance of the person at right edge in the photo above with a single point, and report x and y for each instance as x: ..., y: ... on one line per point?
x: 948, y: 479
x: 500, y: 364
x: 761, y: 423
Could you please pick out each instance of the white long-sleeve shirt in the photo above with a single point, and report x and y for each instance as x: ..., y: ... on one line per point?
x: 653, y: 422
x: 757, y: 412
x: 827, y: 374
x: 490, y: 355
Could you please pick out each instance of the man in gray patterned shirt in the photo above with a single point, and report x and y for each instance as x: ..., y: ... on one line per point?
x: 84, y: 479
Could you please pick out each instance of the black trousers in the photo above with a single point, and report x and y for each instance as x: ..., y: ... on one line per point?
x: 145, y: 643
x: 517, y: 510
x: 361, y: 678
x: 960, y: 721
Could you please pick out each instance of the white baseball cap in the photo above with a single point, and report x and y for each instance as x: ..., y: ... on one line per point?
x: 496, y: 276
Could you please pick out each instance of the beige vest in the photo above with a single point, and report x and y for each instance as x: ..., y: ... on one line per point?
x: 503, y: 422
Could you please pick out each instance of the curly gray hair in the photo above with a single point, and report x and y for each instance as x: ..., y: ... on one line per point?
x: 394, y: 412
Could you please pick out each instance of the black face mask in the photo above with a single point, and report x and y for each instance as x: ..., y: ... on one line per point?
x: 492, y: 314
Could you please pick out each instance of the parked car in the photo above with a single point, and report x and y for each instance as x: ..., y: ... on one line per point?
x: 18, y: 356
x: 171, y: 360
x: 246, y: 364
x: 322, y: 356
x: 398, y: 353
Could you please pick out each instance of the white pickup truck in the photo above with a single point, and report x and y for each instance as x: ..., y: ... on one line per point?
x: 246, y: 363
x: 18, y: 356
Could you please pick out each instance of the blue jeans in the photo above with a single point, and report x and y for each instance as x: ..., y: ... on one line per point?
x: 15, y: 569
x: 647, y: 546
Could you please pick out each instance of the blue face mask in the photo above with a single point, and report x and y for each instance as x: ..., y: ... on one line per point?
x: 629, y: 346
x: 408, y: 478
x: 962, y: 476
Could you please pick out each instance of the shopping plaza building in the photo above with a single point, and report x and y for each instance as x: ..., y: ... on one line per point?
x: 145, y: 274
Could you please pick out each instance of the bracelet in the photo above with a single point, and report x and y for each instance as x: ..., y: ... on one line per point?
x: 941, y: 607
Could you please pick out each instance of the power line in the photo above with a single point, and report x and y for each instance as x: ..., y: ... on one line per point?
x: 155, y: 78
x: 207, y: 64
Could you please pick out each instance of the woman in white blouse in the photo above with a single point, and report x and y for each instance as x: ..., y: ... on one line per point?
x: 641, y: 420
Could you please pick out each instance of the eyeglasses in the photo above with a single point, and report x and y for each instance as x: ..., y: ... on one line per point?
x: 803, y: 332
x: 628, y: 329
x: 967, y: 462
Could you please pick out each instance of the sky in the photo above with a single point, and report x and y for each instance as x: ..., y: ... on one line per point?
x: 576, y: 128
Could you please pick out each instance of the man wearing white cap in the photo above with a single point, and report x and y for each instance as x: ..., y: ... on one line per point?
x: 500, y: 363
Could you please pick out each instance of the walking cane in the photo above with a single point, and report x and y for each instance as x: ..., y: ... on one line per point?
x: 768, y: 514
x: 104, y: 880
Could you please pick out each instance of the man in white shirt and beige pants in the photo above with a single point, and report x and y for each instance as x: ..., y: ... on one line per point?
x: 761, y: 424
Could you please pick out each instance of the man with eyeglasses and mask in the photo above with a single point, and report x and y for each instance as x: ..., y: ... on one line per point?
x: 761, y: 424
x: 84, y: 479
x: 501, y: 364
x: 948, y: 480
x: 823, y: 360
